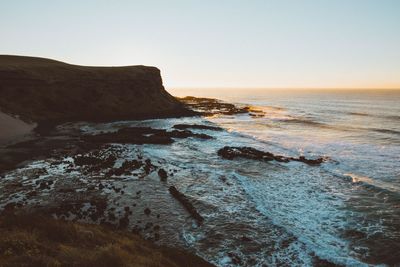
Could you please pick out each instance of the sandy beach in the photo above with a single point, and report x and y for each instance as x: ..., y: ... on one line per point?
x: 13, y: 130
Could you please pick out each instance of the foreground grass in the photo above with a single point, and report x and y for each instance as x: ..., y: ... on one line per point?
x: 33, y: 240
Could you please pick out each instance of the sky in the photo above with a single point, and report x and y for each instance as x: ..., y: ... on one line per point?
x: 217, y: 43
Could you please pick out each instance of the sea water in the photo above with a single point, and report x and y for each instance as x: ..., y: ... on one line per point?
x: 348, y: 209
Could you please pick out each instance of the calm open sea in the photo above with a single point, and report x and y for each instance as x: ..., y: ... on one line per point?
x: 348, y: 209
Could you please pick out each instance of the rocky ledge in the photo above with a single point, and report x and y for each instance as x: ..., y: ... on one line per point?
x: 252, y: 153
x: 212, y: 107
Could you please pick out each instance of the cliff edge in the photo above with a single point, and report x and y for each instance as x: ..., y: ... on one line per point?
x: 42, y: 90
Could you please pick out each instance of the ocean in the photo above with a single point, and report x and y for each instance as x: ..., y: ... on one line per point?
x: 348, y: 209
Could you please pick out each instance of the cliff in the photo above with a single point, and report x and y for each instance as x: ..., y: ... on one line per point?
x: 41, y: 90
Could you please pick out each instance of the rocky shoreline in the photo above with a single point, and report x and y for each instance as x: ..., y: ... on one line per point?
x: 93, y: 177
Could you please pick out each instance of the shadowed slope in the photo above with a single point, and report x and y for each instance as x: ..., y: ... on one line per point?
x: 39, y: 90
x: 32, y: 240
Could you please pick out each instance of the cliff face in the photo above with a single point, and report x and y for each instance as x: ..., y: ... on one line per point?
x: 39, y: 89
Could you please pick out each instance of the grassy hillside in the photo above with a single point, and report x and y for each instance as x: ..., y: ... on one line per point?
x: 32, y: 240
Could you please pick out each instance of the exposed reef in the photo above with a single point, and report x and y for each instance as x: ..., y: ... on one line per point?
x: 211, y: 107
x: 230, y: 153
x: 142, y: 135
x: 197, y: 126
x: 186, y: 203
x: 70, y: 142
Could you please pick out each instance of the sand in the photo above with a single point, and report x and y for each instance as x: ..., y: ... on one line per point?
x: 13, y: 130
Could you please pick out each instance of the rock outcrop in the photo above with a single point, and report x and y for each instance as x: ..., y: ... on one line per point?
x: 42, y: 90
x: 231, y: 153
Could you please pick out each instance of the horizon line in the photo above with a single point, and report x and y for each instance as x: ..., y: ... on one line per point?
x: 280, y: 88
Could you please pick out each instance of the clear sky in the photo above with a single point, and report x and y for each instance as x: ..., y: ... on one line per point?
x: 217, y: 43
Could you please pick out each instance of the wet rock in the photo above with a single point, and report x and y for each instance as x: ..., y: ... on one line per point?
x: 86, y: 160
x: 147, y: 211
x: 245, y: 239
x: 148, y: 225
x: 186, y: 203
x: 111, y: 216
x: 91, y: 188
x: 354, y: 234
x: 324, y: 263
x: 156, y: 236
x: 94, y: 163
x: 317, y: 161
x: 235, y: 258
x: 123, y: 222
x: 66, y: 190
x: 15, y: 185
x: 132, y: 135
x: 162, y: 174
x: 197, y: 126
x: 44, y: 185
x: 148, y: 167
x: 32, y: 193
x: 252, y: 153
x: 126, y: 168
x: 210, y: 106
x: 187, y: 133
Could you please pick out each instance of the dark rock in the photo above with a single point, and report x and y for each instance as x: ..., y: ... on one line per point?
x: 252, y: 153
x: 245, y: 239
x: 324, y: 263
x: 94, y: 163
x: 126, y: 168
x: 197, y: 126
x: 86, y: 160
x: 132, y: 135
x: 186, y: 203
x: 111, y: 216
x: 123, y: 222
x: 147, y: 211
x: 32, y: 193
x: 317, y: 161
x: 210, y: 106
x: 187, y: 133
x: 91, y: 188
x: 156, y: 236
x: 148, y: 225
x: 163, y: 174
x: 44, y: 185
x: 148, y: 167
x: 235, y: 258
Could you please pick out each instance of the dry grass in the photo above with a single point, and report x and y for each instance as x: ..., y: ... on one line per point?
x: 33, y: 240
